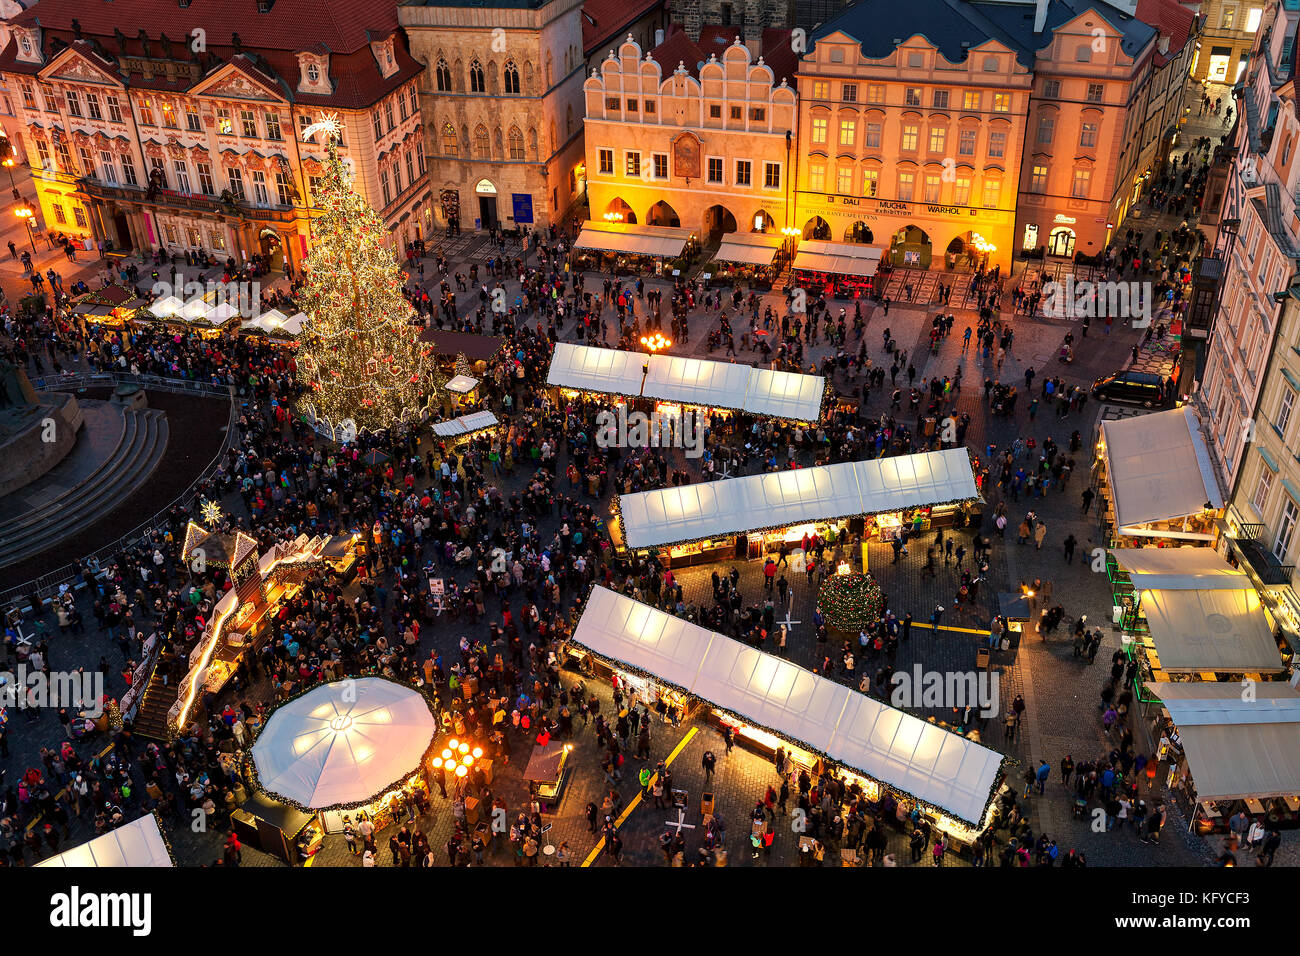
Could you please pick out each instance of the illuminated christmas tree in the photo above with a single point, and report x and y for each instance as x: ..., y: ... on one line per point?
x: 360, y: 358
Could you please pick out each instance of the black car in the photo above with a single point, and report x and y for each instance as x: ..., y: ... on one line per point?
x: 1133, y: 388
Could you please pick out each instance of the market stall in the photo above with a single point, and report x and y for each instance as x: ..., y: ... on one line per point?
x: 354, y: 746
x: 754, y: 258
x: 770, y: 701
x: 784, y: 506
x: 1156, y: 480
x: 166, y: 308
x: 111, y: 307
x: 1230, y: 752
x: 624, y: 248
x: 280, y: 829
x: 547, y: 772
x: 845, y: 270
x: 135, y: 844
x: 465, y: 425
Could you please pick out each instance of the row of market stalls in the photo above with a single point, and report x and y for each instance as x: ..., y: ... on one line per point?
x: 139, y: 843
x: 676, y: 382
x: 771, y: 702
x: 842, y: 269
x: 749, y: 516
x: 624, y: 248
x: 115, y: 306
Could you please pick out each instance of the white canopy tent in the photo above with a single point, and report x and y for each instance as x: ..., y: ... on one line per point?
x: 1212, y: 631
x: 196, y: 310
x: 139, y: 843
x: 748, y: 248
x: 223, y: 313
x: 1158, y: 467
x: 628, y: 237
x: 461, y: 384
x: 344, y: 742
x: 465, y: 424
x: 1189, y: 568
x: 167, y: 307
x: 780, y: 499
x: 838, y: 258
x: 691, y: 381
x: 935, y: 766
x: 1237, y: 749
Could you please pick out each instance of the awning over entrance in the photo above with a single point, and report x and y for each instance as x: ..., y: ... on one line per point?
x: 664, y: 241
x: 1158, y: 467
x: 838, y: 258
x: 1210, y: 631
x: 780, y: 499
x: 936, y: 766
x: 748, y: 248
x: 1237, y: 749
x: 1172, y: 569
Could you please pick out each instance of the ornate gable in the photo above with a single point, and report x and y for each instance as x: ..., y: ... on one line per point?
x: 74, y: 66
x: 236, y: 81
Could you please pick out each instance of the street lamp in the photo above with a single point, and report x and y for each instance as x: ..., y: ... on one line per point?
x: 655, y: 342
x: 26, y: 213
x: 613, y: 217
x: 8, y: 163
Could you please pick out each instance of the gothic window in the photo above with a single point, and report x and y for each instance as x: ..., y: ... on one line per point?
x: 448, y: 140
x: 481, y: 145
x: 476, y: 84
x: 516, y: 143
x: 443, y: 74
x: 511, y: 77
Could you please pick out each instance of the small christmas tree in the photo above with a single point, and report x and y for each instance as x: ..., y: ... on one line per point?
x: 462, y: 366
x: 360, y: 358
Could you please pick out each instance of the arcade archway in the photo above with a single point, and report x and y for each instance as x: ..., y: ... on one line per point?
x: 619, y: 211
x: 817, y: 228
x: 859, y: 232
x: 662, y: 214
x: 910, y: 246
x: 718, y: 220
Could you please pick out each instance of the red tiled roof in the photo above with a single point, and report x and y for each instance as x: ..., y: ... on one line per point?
x: 779, y: 54
x: 604, y: 21
x: 1171, y: 20
x: 716, y: 39
x: 678, y: 47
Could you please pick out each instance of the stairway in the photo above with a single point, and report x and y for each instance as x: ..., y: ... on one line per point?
x: 132, y: 461
x: 151, y: 718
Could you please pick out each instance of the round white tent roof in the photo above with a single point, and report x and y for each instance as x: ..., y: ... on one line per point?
x: 343, y: 743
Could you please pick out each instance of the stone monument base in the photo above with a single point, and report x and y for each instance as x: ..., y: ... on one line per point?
x: 34, y: 438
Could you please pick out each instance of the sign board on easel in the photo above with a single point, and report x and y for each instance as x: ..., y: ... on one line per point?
x: 437, y: 588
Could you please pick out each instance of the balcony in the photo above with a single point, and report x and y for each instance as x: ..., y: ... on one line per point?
x: 1263, y: 561
x: 163, y: 197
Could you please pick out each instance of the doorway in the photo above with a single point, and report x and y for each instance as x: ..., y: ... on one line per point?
x: 123, y: 230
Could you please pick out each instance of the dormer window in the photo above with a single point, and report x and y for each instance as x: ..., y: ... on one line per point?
x: 26, y: 43
x: 313, y: 73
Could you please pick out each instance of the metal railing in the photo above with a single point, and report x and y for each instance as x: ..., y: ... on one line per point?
x: 48, y: 584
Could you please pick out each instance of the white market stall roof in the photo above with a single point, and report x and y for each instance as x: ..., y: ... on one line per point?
x: 343, y: 742
x: 780, y: 499
x: 664, y: 241
x: 139, y: 843
x: 1237, y: 749
x: 166, y: 308
x: 465, y: 424
x: 748, y: 248
x: 1210, y: 631
x: 759, y: 391
x: 195, y: 310
x: 223, y: 313
x: 1159, y: 468
x: 838, y: 258
x: 934, y: 765
x: 1188, y: 568
x: 461, y: 384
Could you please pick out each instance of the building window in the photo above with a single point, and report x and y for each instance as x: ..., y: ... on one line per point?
x: 933, y: 187
x: 661, y: 165
x: 940, y: 101
x: 817, y: 177
x: 848, y: 132
x: 757, y: 114
x: 1046, y: 130
x: 192, y: 122
x: 1088, y: 135
x: 844, y: 180
x: 916, y: 60
x: 736, y: 113
x: 819, y: 129
x: 870, y: 182
x: 1079, y: 188
x: 442, y: 74
x: 1286, y: 530
x: 938, y: 139
x: 1002, y: 102
x: 476, y: 84
x: 482, y: 145
x: 1262, y: 488
x: 419, y: 156
x: 912, y: 96
x: 1253, y: 17
x: 59, y: 215
x: 961, y: 191
x: 605, y: 160
x: 236, y: 177
x: 385, y: 187
x: 284, y: 188
x: 715, y: 111
x: 631, y: 106
x: 1051, y: 89
x: 450, y: 145
x: 1096, y: 92
x: 65, y: 158
x: 128, y: 171
x: 107, y: 168
x: 43, y: 152
x: 1284, y: 411
x: 772, y: 175
x: 650, y: 108
x: 906, y: 186
x: 87, y: 162
x: 225, y: 125
x: 79, y: 214
x: 248, y: 123
x: 315, y: 184
x: 821, y: 90
x: 379, y: 126
x: 273, y: 126
x: 182, y: 175
x: 205, y: 179
x: 715, y: 169
x: 1229, y: 17
x: 1038, y: 179
x: 1083, y: 54
x: 997, y: 144
x: 168, y: 115
x: 909, y: 138
x: 92, y: 107
x: 992, y: 193
x: 632, y: 164
x: 744, y: 173
x: 29, y: 97
x: 74, y: 103
x: 516, y: 142
x: 260, y: 195
x: 510, y: 78
x: 849, y: 92
x: 966, y: 142
x: 146, y: 112
x: 970, y: 100
x: 874, y: 132
x: 875, y: 93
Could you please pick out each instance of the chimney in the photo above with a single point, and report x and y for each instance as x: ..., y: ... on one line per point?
x: 659, y: 37
x: 1040, y: 15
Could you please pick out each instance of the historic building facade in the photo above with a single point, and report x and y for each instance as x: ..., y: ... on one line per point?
x: 702, y: 146
x: 1229, y: 31
x: 195, y: 142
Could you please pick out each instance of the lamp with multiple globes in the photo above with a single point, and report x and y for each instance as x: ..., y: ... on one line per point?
x: 457, y: 757
x: 655, y: 342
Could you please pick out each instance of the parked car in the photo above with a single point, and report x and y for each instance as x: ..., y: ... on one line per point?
x: 1134, y: 388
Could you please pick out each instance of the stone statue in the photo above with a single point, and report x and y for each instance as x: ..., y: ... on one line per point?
x: 15, y: 390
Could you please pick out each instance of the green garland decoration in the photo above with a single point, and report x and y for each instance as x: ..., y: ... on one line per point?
x: 851, y: 602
